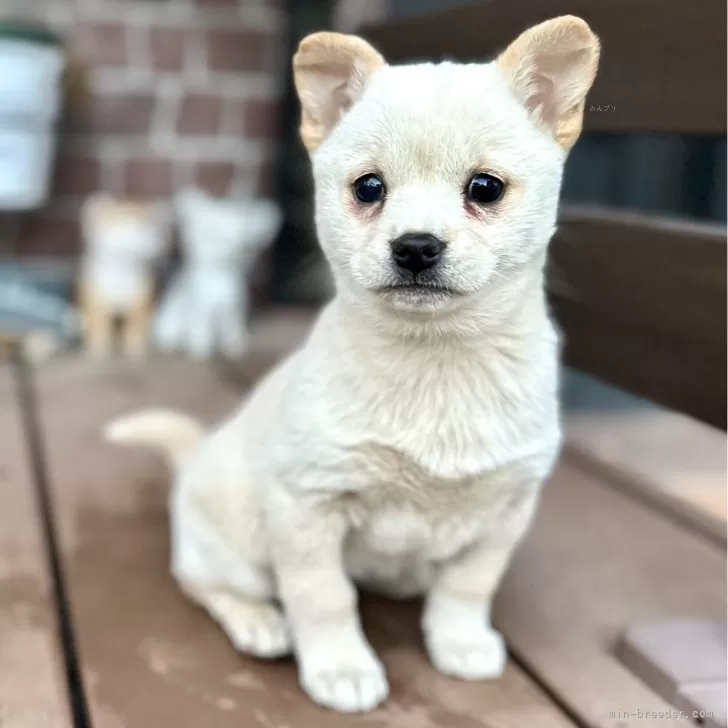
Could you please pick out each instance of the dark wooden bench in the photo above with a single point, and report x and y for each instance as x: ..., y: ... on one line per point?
x: 93, y: 632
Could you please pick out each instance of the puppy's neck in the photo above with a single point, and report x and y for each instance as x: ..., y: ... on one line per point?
x: 512, y: 308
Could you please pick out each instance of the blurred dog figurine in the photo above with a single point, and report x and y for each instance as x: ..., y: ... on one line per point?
x: 404, y: 445
x: 204, y: 312
x: 124, y: 240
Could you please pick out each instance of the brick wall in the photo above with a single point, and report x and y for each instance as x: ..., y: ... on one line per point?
x: 350, y: 15
x: 179, y: 91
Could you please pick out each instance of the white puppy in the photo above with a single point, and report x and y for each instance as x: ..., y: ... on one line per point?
x: 405, y: 444
x: 204, y: 312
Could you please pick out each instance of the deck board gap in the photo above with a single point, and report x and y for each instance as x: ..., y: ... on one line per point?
x: 33, y: 436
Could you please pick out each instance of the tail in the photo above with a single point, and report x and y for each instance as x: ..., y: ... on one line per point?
x: 175, y: 435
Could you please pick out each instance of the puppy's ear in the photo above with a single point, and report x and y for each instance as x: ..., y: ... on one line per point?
x: 551, y: 67
x: 330, y: 72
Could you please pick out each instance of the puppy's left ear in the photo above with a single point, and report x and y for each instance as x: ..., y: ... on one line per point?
x: 550, y: 68
x: 330, y: 71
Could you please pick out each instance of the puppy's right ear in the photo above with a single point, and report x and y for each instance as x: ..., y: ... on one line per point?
x: 330, y: 71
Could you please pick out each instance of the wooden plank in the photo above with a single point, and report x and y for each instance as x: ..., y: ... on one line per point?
x: 667, y: 450
x: 642, y: 304
x: 595, y: 563
x: 32, y: 690
x: 663, y: 61
x: 153, y: 659
x: 707, y: 703
x: 672, y: 462
x: 652, y: 494
x: 673, y: 655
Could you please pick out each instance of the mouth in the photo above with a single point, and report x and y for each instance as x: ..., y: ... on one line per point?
x: 418, y: 296
x: 418, y: 289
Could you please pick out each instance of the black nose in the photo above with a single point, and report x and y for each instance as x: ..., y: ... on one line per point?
x: 416, y: 252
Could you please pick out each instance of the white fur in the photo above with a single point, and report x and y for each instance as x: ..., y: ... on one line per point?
x: 405, y: 444
x: 121, y: 250
x: 205, y: 310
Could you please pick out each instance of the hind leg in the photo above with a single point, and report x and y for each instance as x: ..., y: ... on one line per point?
x: 239, y: 596
x: 136, y: 325
x: 171, y: 319
x: 256, y: 628
x: 98, y: 324
x: 200, y: 342
x: 232, y: 333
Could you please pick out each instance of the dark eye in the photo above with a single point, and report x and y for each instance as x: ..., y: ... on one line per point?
x: 485, y: 189
x: 369, y: 189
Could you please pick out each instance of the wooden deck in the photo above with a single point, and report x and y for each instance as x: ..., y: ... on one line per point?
x: 93, y: 631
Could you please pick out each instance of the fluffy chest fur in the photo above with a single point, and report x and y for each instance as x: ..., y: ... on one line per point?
x: 359, y: 413
x: 408, y: 521
x: 425, y: 447
x: 408, y: 510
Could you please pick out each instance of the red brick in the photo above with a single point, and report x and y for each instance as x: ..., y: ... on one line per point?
x: 261, y: 119
x: 215, y: 177
x: 122, y: 113
x: 147, y: 177
x: 200, y: 114
x: 100, y: 44
x: 237, y: 50
x: 76, y: 174
x: 256, y: 118
x: 167, y: 48
x: 45, y: 234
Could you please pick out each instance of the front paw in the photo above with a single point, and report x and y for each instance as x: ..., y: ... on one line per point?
x: 349, y: 683
x: 478, y: 656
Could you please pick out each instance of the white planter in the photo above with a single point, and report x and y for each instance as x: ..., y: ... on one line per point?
x: 26, y: 161
x: 30, y: 103
x: 30, y: 77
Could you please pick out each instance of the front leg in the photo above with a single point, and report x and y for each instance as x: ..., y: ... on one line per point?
x: 232, y: 333
x: 171, y: 321
x: 460, y: 639
x: 200, y: 343
x: 97, y: 320
x: 99, y: 332
x: 136, y: 325
x: 337, y: 666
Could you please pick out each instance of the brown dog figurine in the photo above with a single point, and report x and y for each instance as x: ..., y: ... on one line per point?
x: 124, y: 240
